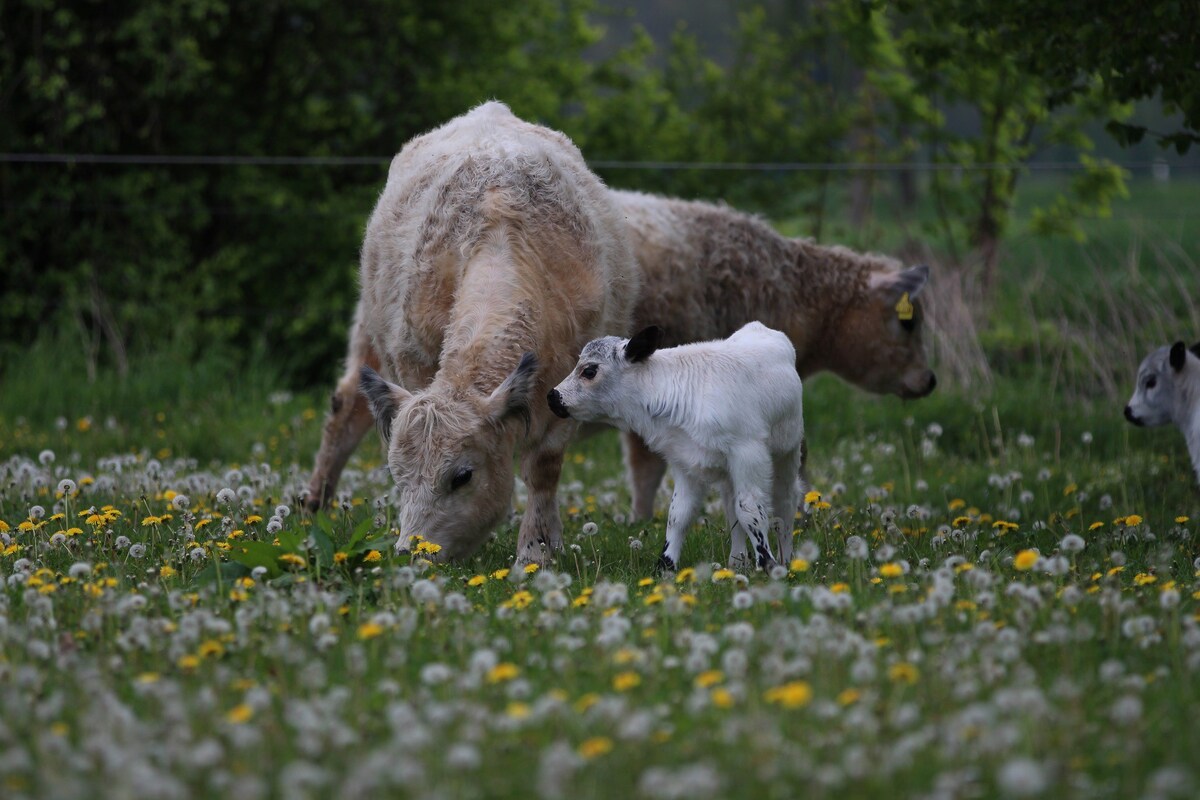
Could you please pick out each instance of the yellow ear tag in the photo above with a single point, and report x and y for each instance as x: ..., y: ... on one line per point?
x: 904, y: 309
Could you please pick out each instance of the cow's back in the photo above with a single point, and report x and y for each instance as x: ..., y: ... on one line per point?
x: 488, y: 181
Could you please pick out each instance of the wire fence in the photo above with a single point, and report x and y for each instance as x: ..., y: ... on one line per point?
x: 773, y: 166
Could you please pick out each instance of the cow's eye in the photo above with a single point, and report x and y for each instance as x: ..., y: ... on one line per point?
x: 1152, y: 381
x: 461, y: 478
x: 589, y: 372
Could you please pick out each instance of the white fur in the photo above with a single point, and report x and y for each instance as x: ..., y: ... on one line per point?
x: 1166, y: 395
x: 727, y: 413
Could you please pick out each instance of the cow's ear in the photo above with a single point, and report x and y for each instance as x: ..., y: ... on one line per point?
x: 511, y: 397
x: 894, y: 285
x: 643, y: 344
x: 1195, y: 349
x: 1178, y: 356
x: 383, y: 398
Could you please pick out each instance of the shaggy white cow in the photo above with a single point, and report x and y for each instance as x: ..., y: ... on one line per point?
x: 727, y: 412
x: 1168, y: 390
x: 491, y: 242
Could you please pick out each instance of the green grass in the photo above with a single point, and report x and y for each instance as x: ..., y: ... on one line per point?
x: 347, y: 670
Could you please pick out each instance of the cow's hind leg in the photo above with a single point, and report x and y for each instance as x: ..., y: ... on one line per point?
x: 348, y: 421
x: 645, y: 470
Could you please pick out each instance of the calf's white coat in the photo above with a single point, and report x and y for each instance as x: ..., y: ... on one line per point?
x: 725, y: 413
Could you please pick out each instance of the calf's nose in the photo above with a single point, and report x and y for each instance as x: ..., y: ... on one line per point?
x: 1129, y: 416
x: 556, y: 404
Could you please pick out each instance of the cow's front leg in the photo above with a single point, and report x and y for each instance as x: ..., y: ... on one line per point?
x: 685, y: 505
x: 644, y: 470
x: 348, y: 421
x: 540, y: 537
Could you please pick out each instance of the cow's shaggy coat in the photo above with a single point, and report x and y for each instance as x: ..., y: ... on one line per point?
x: 708, y: 269
x: 491, y: 244
x: 725, y: 413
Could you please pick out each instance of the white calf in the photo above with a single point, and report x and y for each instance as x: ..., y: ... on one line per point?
x: 1168, y: 390
x: 726, y: 412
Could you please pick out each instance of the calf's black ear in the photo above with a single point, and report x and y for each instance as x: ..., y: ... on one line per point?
x: 1195, y: 349
x: 643, y: 344
x: 1178, y: 356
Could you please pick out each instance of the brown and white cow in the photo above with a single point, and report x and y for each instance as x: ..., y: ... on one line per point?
x: 492, y: 256
x: 707, y: 270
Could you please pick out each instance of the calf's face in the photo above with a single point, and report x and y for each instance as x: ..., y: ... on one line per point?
x: 593, y: 391
x: 1156, y: 393
x: 451, y: 456
x: 878, y: 344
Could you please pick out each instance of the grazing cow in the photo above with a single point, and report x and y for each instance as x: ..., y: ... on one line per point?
x: 491, y: 242
x: 726, y: 412
x: 708, y: 269
x: 1168, y: 390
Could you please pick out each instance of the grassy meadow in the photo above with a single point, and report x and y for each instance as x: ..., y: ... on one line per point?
x: 996, y: 594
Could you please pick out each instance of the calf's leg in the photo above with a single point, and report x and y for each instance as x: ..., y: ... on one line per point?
x: 685, y: 505
x: 750, y: 475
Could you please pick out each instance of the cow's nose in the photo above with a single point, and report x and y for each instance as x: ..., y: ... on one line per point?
x: 556, y: 404
x: 932, y: 383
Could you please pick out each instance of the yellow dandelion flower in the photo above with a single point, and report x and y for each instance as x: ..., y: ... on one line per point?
x: 586, y: 701
x: 25, y: 527
x: 956, y: 504
x: 795, y: 694
x: 292, y: 559
x: 721, y: 697
x: 253, y: 518
x: 624, y: 681
x: 152, y: 521
x: 240, y: 714
x: 477, y: 580
x: 687, y: 574
x: 709, y: 678
x: 1132, y: 520
x: 1025, y: 560
x: 646, y: 582
x: 840, y: 588
x: 1180, y: 520
x: 903, y: 672
x: 148, y: 677
x: 798, y: 565
x: 595, y: 747
x: 1144, y: 579
x: 500, y: 574
x: 517, y: 710
x: 519, y: 600
x: 502, y: 672
x: 375, y: 555
x: 961, y: 522
x: 4, y: 527
x: 891, y: 570
x: 188, y: 662
x: 848, y: 697
x: 580, y: 601
x: 722, y: 575
x: 427, y: 547
x: 812, y: 497
x: 652, y: 598
x: 531, y: 568
x: 1070, y: 489
x: 210, y: 648
x: 369, y: 630
x: 340, y: 557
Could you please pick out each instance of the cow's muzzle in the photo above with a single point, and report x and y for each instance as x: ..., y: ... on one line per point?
x: 556, y: 404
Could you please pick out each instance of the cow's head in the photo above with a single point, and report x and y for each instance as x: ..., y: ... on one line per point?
x: 450, y: 453
x: 1157, y: 398
x: 878, y: 343
x: 594, y: 390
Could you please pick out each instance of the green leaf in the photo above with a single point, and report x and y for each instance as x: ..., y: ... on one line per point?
x: 324, y: 546
x: 257, y: 554
x: 230, y: 571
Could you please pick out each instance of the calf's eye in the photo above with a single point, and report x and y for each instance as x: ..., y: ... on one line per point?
x: 1151, y: 382
x: 589, y: 372
x: 460, y: 479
